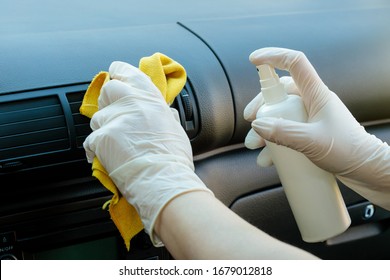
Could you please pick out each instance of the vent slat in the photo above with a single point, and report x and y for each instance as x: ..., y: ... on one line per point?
x: 80, y: 119
x: 80, y: 140
x: 32, y: 126
x: 82, y: 127
x: 27, y: 104
x: 35, y: 149
x: 14, y: 141
x: 30, y: 114
x: 75, y: 107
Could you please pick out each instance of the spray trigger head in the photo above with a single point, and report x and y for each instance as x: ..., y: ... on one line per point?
x: 272, y: 89
x: 267, y: 72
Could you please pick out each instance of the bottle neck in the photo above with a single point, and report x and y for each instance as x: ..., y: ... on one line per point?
x: 274, y: 93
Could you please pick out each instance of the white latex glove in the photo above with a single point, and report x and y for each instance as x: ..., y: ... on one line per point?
x: 332, y: 138
x: 141, y: 144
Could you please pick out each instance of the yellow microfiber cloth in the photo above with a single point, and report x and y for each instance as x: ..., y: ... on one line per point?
x: 169, y: 77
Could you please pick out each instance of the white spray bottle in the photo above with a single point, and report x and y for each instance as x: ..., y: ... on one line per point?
x: 313, y: 194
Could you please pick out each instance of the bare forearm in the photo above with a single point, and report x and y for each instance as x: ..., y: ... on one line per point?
x: 196, y: 225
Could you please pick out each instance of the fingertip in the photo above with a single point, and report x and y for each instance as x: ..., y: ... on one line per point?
x: 264, y: 127
x: 280, y: 58
x: 249, y: 114
x: 94, y: 122
x: 132, y: 76
x: 112, y: 91
x: 88, y: 151
x: 264, y: 159
x: 253, y: 140
x: 121, y: 70
x: 264, y: 55
x: 255, y: 56
x: 251, y: 109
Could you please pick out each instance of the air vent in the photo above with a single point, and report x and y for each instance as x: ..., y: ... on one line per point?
x: 187, y: 108
x: 81, y: 123
x: 41, y: 135
x: 42, y: 132
x: 32, y: 127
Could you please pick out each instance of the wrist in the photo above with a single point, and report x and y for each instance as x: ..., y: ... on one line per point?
x: 150, y: 183
x: 371, y: 179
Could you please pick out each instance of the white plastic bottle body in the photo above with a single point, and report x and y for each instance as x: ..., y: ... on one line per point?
x: 313, y: 194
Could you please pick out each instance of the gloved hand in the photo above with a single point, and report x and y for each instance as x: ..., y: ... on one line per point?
x: 332, y: 138
x: 141, y: 144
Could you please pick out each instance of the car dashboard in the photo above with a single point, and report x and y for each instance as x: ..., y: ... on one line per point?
x: 52, y: 206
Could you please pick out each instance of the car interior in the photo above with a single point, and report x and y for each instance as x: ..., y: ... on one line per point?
x: 49, y: 53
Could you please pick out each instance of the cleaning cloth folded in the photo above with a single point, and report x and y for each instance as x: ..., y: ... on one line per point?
x: 169, y: 77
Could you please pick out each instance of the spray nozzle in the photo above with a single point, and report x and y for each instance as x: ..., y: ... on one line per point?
x: 272, y: 89
x: 268, y: 76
